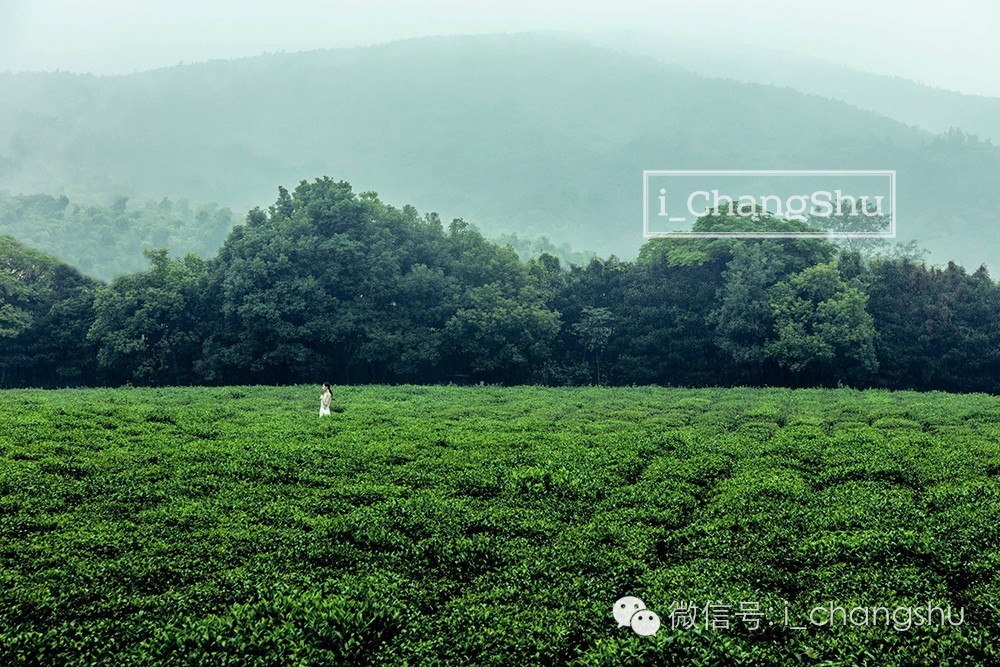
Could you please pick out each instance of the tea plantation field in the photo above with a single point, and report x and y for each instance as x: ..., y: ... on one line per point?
x: 496, y: 526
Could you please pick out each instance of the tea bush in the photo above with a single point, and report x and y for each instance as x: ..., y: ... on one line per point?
x: 492, y: 526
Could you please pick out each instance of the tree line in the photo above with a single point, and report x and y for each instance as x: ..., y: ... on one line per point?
x: 330, y: 285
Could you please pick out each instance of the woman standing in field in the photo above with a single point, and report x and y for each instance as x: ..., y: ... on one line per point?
x: 324, y: 400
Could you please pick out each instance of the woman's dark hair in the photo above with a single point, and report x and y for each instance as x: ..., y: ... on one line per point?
x: 326, y: 385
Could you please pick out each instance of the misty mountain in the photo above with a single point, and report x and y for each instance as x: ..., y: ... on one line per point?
x: 526, y: 134
x: 910, y: 102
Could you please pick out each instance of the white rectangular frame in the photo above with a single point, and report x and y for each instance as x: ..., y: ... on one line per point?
x: 647, y: 234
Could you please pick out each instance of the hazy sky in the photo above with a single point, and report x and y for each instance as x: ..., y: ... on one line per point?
x: 949, y: 44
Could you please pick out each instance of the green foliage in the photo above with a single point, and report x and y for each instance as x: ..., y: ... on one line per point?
x: 937, y: 327
x: 104, y: 241
x: 504, y: 337
x: 285, y: 626
x: 46, y: 307
x: 531, y: 248
x: 330, y: 284
x: 821, y: 321
x: 594, y: 331
x: 455, y: 526
x: 149, y: 326
x: 744, y: 319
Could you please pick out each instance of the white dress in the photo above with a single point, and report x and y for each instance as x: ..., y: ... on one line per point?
x: 323, y: 409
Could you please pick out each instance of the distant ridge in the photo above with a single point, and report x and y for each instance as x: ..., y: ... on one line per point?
x: 529, y: 134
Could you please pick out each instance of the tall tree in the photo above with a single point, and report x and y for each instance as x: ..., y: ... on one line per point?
x: 45, y: 310
x: 594, y: 331
x: 823, y: 332
x: 148, y: 327
x: 503, y: 337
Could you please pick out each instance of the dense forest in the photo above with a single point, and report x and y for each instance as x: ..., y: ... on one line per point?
x: 103, y: 241
x: 330, y: 285
x: 529, y: 134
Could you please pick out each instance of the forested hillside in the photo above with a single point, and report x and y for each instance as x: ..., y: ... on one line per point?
x: 103, y: 241
x: 327, y: 283
x: 907, y: 101
x: 529, y: 134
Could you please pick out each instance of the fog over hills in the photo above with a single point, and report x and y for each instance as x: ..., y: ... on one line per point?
x: 533, y: 134
x: 910, y: 102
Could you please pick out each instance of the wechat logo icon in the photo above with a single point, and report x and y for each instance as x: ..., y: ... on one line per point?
x: 631, y: 612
